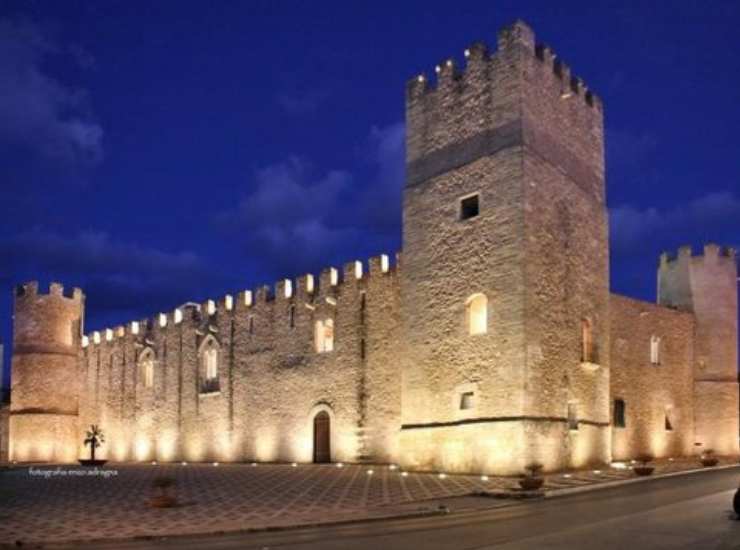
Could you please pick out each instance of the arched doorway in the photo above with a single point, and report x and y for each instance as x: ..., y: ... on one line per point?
x: 321, y: 437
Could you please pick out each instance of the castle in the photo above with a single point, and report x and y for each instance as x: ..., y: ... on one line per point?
x: 491, y: 342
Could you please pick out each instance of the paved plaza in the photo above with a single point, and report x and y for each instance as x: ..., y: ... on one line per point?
x: 67, y: 503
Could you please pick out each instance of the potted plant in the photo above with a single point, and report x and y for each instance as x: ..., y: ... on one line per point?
x: 162, y: 497
x: 643, y: 466
x: 708, y: 459
x: 532, y: 478
x: 94, y: 438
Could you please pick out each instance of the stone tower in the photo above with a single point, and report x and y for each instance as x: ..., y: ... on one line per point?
x: 707, y: 286
x: 44, y: 398
x: 504, y: 199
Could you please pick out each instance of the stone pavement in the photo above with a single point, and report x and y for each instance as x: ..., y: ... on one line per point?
x: 59, y: 503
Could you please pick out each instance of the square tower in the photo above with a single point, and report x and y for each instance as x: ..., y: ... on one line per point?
x: 505, y: 265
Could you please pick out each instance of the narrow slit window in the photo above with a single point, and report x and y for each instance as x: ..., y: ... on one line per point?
x: 655, y: 350
x: 291, y: 316
x: 620, y: 420
x: 668, y: 419
x: 469, y: 207
x: 572, y: 417
x: 587, y: 341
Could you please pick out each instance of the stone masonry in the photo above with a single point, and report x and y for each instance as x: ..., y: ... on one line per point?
x: 394, y: 360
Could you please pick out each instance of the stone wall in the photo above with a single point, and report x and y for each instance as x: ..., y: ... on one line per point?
x: 652, y: 391
x: 44, y: 386
x: 4, y: 432
x: 502, y: 129
x: 706, y: 285
x: 272, y: 381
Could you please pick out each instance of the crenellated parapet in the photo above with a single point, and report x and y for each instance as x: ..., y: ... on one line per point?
x: 47, y: 320
x: 498, y: 100
x: 711, y: 252
x: 331, y: 284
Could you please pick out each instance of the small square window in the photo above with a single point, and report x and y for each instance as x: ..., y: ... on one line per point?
x: 467, y: 400
x: 572, y: 417
x: 469, y: 207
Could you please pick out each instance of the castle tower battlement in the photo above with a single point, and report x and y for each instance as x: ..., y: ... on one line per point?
x: 47, y: 331
x: 505, y: 199
x: 499, y: 100
x: 706, y: 285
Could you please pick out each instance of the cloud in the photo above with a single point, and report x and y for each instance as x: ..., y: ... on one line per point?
x: 706, y: 218
x: 37, y: 111
x: 297, y: 220
x: 116, y: 276
x: 308, y: 102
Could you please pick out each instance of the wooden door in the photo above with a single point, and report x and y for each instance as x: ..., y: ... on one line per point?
x: 321, y: 437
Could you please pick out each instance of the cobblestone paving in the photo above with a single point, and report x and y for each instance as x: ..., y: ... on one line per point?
x: 226, y: 497
x: 57, y: 503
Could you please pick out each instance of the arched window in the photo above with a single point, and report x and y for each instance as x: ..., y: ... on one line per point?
x: 587, y: 341
x: 209, y: 355
x: 146, y: 368
x: 655, y: 350
x: 477, y: 314
x: 324, y: 335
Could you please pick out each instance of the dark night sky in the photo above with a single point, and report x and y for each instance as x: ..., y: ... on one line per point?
x: 154, y: 152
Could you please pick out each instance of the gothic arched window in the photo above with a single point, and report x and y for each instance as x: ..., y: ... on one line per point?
x: 146, y: 368
x: 324, y: 335
x: 209, y: 359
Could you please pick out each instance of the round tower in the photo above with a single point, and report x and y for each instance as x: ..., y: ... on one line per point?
x: 47, y: 331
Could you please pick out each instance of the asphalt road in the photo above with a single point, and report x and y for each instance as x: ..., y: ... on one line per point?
x: 692, y: 511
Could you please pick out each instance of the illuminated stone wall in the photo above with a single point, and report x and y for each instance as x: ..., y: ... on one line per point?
x: 4, y: 432
x: 272, y: 381
x: 706, y: 285
x: 514, y: 128
x: 650, y: 391
x: 44, y: 382
x: 406, y: 379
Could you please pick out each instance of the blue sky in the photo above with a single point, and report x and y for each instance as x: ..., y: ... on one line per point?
x: 158, y: 152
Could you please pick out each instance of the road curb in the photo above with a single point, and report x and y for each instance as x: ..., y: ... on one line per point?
x: 554, y: 493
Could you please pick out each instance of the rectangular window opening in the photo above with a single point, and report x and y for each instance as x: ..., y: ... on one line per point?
x: 572, y: 417
x: 668, y: 419
x: 469, y: 207
x: 467, y: 400
x: 619, y: 413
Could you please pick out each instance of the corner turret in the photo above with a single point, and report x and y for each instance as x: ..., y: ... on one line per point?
x: 706, y: 285
x: 47, y: 337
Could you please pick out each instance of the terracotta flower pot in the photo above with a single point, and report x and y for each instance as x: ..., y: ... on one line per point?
x: 709, y: 461
x: 643, y: 470
x: 162, y: 501
x: 91, y: 462
x: 531, y: 483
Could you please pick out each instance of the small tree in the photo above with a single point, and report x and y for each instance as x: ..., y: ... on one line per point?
x: 94, y: 438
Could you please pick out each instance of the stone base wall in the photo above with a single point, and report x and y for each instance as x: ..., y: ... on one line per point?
x: 495, y: 448
x: 43, y: 438
x: 4, y: 433
x: 716, y: 416
x: 651, y: 391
